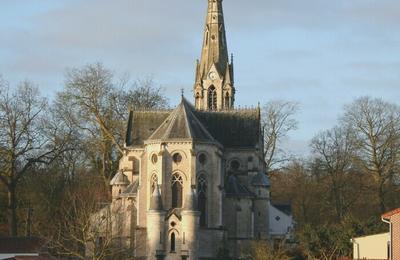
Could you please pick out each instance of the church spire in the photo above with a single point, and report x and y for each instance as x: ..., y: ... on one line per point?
x: 214, y: 43
x: 214, y: 74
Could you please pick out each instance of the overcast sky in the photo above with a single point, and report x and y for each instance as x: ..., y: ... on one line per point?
x: 319, y: 53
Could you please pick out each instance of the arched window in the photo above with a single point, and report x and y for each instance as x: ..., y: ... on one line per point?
x: 202, y: 190
x: 227, y: 101
x: 212, y: 98
x: 177, y: 191
x: 173, y: 242
x: 135, y: 166
x: 153, y: 183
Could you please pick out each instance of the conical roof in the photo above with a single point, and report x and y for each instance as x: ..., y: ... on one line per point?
x: 234, y: 188
x: 155, y: 200
x: 120, y: 179
x: 261, y: 179
x: 182, y: 124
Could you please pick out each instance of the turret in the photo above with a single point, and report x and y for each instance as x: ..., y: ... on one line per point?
x: 119, y: 184
x: 155, y: 225
x: 190, y: 225
x: 261, y: 185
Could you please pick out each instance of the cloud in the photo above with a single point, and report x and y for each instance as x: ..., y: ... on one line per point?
x: 320, y: 53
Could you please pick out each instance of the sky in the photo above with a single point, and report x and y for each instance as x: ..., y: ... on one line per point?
x: 321, y: 54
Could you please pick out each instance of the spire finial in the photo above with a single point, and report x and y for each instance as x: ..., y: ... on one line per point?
x: 182, y: 92
x: 231, y: 58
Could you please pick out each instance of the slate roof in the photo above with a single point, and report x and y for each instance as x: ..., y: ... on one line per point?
x: 285, y: 208
x: 142, y: 124
x: 232, y: 128
x: 234, y: 188
x: 260, y: 179
x: 120, y: 179
x: 131, y: 190
x: 182, y: 124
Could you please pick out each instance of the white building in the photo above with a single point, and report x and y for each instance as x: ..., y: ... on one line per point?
x: 374, y: 247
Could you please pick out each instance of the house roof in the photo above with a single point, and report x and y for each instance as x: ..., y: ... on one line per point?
x: 390, y: 214
x: 21, y: 245
x: 285, y: 208
x: 236, y: 128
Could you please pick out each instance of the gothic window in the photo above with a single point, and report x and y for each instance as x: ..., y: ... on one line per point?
x: 227, y: 101
x: 212, y: 98
x: 202, y: 159
x: 177, y: 191
x: 153, y: 183
x: 202, y: 189
x: 135, y: 166
x: 173, y: 242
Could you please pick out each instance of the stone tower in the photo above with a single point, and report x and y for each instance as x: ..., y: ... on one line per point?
x: 214, y: 85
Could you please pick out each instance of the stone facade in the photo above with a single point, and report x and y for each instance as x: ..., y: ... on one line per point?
x: 192, y: 180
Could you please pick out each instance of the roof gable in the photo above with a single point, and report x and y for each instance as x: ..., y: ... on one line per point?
x: 182, y: 123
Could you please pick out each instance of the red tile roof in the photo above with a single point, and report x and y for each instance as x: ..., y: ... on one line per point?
x: 390, y: 214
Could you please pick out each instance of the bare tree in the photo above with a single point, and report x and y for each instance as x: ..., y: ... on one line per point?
x: 278, y: 121
x: 375, y: 127
x: 97, y: 105
x: 26, y: 139
x: 335, y: 150
x: 86, y: 228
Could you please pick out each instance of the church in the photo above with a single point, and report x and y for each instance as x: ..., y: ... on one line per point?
x: 193, y: 179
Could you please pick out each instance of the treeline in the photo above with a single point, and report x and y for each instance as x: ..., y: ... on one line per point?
x: 57, y: 158
x: 350, y: 179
